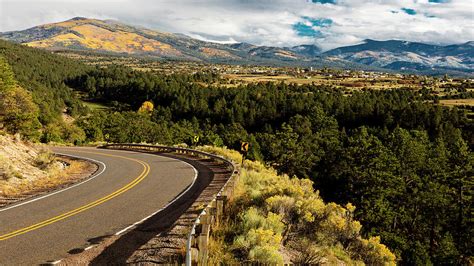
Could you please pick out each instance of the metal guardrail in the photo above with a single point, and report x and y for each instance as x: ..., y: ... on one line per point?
x: 198, y: 238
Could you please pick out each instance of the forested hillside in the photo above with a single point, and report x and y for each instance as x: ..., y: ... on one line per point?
x: 18, y: 112
x: 44, y: 74
x: 404, y: 162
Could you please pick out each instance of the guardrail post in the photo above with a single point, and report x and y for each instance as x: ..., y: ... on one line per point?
x: 203, y: 239
x: 212, y: 211
x: 220, y: 203
x: 227, y: 191
x: 192, y: 252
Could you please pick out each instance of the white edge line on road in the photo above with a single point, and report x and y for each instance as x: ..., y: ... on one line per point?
x: 167, y: 205
x: 89, y: 247
x: 64, y: 189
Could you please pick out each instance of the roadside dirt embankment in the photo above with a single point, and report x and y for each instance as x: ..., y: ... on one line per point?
x: 28, y: 170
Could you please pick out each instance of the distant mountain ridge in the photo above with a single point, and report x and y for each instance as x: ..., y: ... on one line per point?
x: 112, y: 36
x: 108, y: 36
x: 400, y: 55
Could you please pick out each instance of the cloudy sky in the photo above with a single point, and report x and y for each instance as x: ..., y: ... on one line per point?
x: 327, y: 23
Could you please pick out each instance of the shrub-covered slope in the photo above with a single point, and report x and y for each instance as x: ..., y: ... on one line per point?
x: 276, y: 219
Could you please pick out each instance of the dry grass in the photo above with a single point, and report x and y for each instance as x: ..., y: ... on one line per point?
x: 457, y: 102
x: 348, y: 83
x: 226, y: 153
x: 57, y: 175
x: 44, y: 159
x: 219, y: 251
x: 7, y: 171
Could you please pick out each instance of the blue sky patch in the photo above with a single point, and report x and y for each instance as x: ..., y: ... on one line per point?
x: 325, y: 1
x: 304, y: 30
x: 320, y: 22
x: 409, y: 11
x: 311, y: 26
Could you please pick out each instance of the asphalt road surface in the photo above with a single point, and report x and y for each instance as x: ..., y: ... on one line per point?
x: 128, y: 187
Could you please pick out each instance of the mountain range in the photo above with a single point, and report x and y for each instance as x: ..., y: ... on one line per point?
x: 108, y: 36
x: 402, y: 55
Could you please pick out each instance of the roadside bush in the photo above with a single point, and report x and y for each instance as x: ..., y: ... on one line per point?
x: 229, y: 154
x: 265, y: 254
x: 60, y: 132
x: 282, y: 205
x: 18, y: 113
x: 52, y: 133
x: 4, y: 168
x: 44, y: 159
x: 73, y: 134
x: 7, y: 171
x: 306, y: 252
x: 260, y: 245
x: 372, y: 252
x: 252, y: 219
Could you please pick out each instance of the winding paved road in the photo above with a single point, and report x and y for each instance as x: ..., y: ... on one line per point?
x: 128, y: 187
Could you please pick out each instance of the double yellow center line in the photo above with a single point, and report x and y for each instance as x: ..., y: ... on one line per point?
x: 143, y: 174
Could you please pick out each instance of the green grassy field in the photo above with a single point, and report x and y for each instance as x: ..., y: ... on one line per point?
x: 94, y: 106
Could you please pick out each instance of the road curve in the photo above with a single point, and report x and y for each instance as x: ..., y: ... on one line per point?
x: 128, y: 187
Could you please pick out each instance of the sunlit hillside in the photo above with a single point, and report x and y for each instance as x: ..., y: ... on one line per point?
x: 99, y: 35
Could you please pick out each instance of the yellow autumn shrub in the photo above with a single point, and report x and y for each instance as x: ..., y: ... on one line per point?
x: 272, y: 213
x: 227, y: 153
x: 147, y: 107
